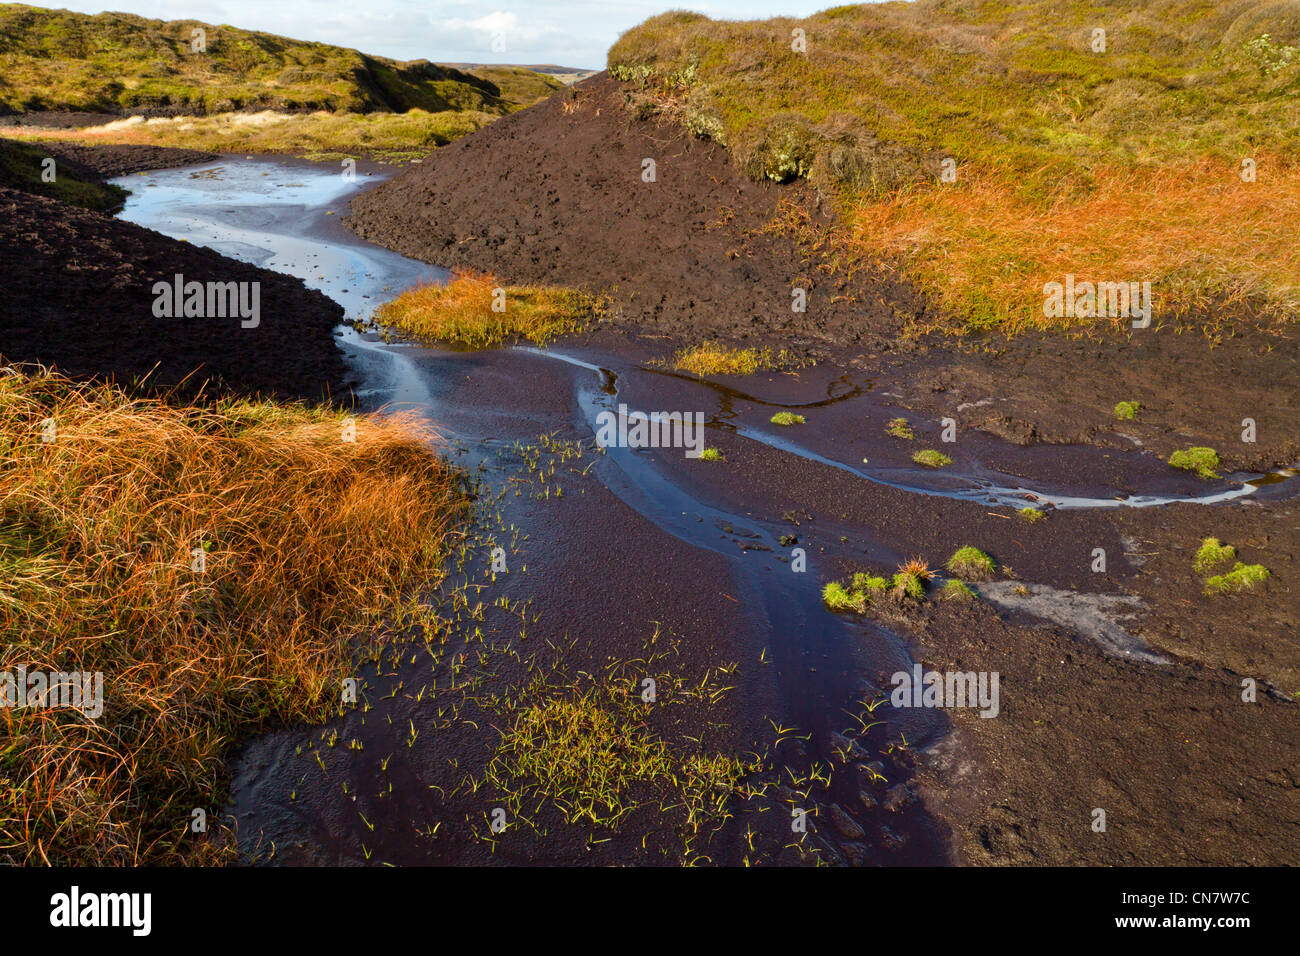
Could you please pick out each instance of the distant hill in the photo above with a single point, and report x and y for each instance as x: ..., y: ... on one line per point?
x: 121, y: 63
x: 567, y: 75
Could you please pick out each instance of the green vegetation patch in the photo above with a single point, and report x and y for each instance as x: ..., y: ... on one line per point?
x: 865, y: 589
x: 1242, y: 577
x: 1211, y: 554
x: 598, y: 753
x: 954, y: 590
x: 1214, y: 554
x: 839, y: 598
x: 1127, y: 411
x: 870, y: 584
x: 714, y: 358
x: 386, y: 137
x: 1203, y: 461
x: 871, y: 97
x: 22, y: 166
x: 115, y: 62
x: 474, y: 311
x: 899, y: 428
x: 908, y: 584
x: 787, y: 418
x: 931, y: 458
x: 971, y: 564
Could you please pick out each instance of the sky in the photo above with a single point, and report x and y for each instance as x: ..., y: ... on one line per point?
x: 574, y: 33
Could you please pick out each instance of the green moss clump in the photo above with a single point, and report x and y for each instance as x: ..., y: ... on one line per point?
x: 909, y: 584
x: 869, y: 583
x: 1242, y: 577
x: 899, y: 428
x: 836, y: 597
x: 1203, y: 461
x: 863, y: 590
x: 931, y: 458
x: 1127, y: 410
x: 1031, y: 514
x: 971, y: 564
x: 711, y: 454
x: 1211, y: 554
x: 787, y: 418
x: 954, y: 590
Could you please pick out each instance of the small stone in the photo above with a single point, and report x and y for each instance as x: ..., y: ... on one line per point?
x: 856, y: 852
x: 845, y: 824
x: 892, y: 839
x: 897, y: 797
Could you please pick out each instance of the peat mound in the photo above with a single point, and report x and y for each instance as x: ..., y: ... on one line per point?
x: 558, y: 194
x: 79, y: 296
x: 119, y: 159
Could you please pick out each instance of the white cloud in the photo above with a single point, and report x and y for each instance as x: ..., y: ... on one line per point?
x: 499, y: 35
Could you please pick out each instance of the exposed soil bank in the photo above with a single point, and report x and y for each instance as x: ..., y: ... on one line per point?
x: 56, y: 119
x: 112, y: 160
x: 555, y: 194
x: 79, y: 296
x: 1047, y: 389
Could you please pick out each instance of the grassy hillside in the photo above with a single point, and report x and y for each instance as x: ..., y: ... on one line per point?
x: 1113, y: 161
x: 22, y: 165
x: 114, y: 62
x: 518, y: 85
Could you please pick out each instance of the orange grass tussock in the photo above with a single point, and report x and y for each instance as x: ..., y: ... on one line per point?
x: 216, y: 565
x: 475, y: 310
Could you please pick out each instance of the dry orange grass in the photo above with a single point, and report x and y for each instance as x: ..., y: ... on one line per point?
x: 715, y: 358
x: 917, y: 567
x: 461, y: 312
x: 712, y: 358
x: 1195, y: 230
x: 308, y: 539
